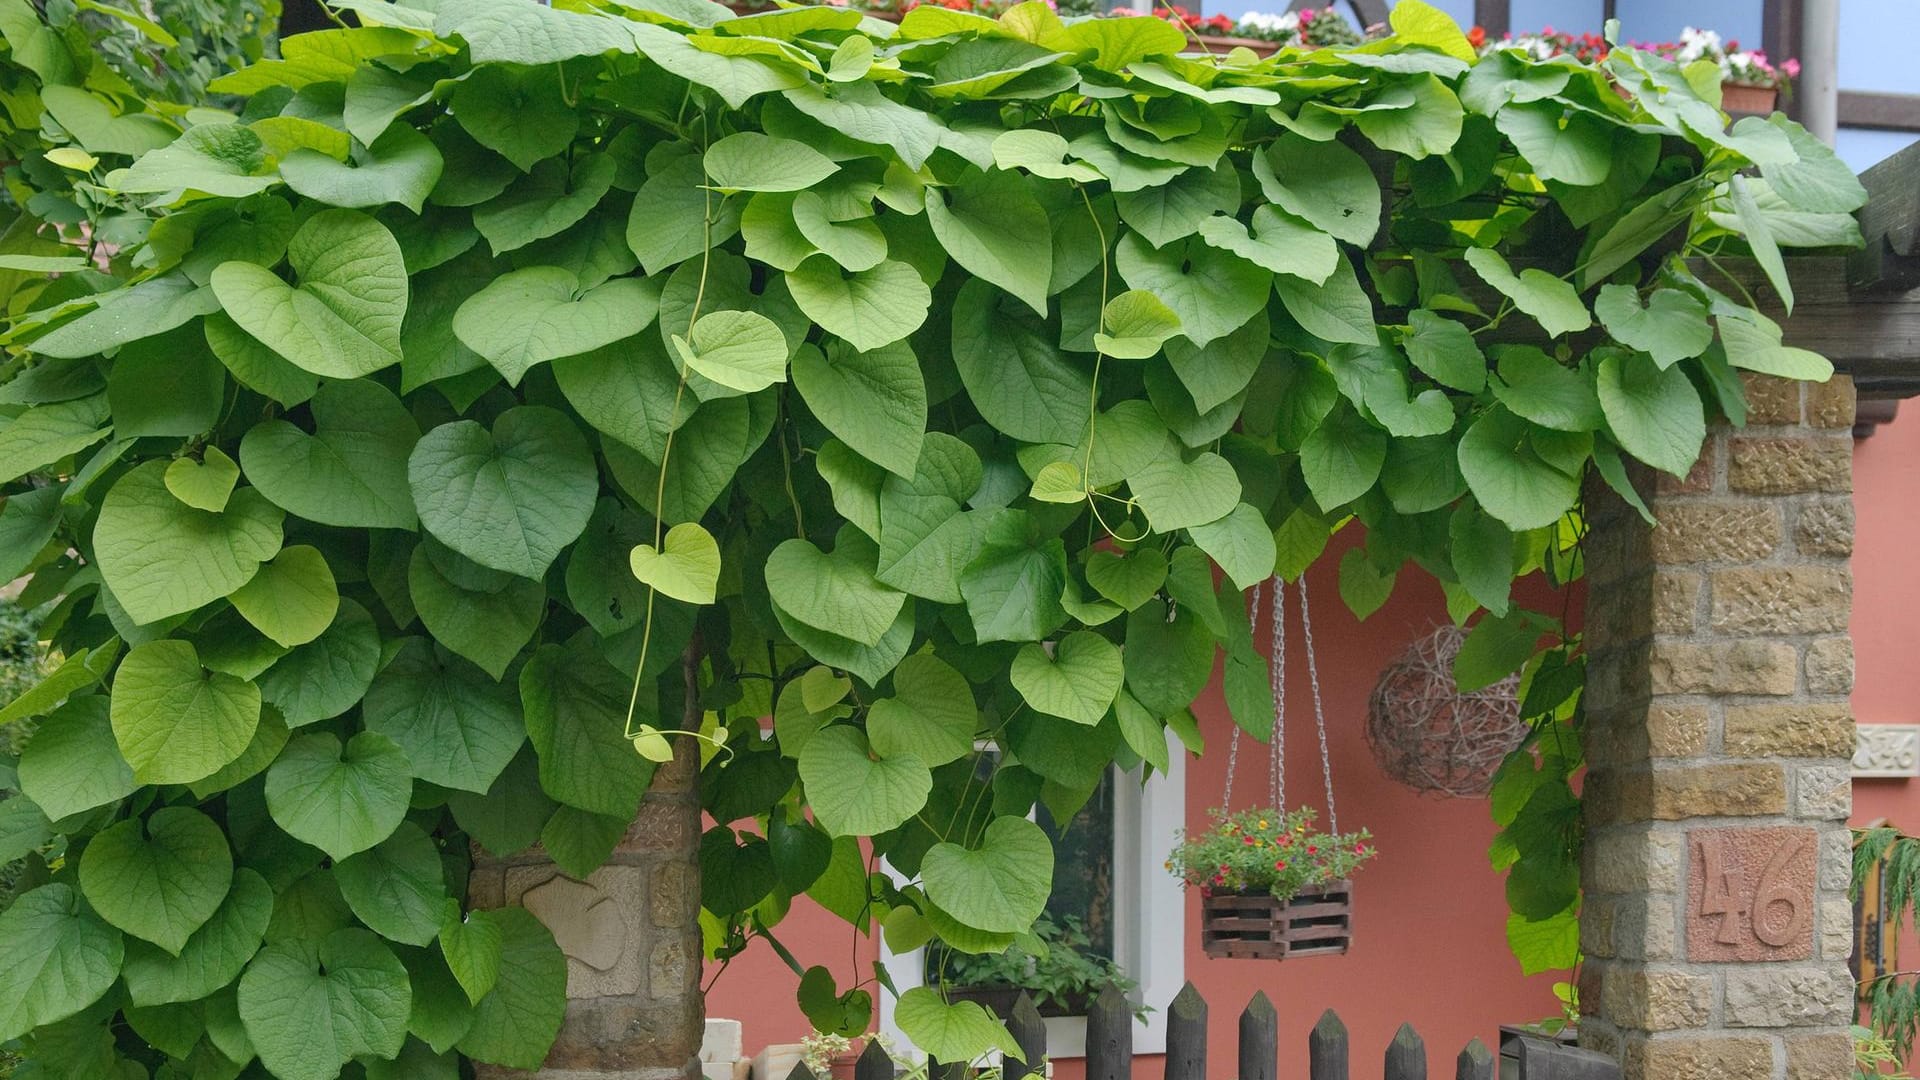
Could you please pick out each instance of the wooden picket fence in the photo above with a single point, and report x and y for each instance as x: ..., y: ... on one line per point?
x: 1110, y: 1049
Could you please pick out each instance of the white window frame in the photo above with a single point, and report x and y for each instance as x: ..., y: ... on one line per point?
x: 1148, y: 903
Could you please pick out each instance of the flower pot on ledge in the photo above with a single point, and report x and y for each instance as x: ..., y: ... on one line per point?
x: 1742, y: 98
x: 1317, y: 921
x: 1210, y: 43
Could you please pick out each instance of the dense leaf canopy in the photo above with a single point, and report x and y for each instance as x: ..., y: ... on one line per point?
x: 511, y: 395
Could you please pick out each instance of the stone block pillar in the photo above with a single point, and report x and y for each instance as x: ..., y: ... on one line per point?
x: 631, y: 933
x: 1716, y: 925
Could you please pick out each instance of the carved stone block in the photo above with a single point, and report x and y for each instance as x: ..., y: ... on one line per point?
x: 1750, y: 894
x: 599, y: 923
x: 1886, y: 750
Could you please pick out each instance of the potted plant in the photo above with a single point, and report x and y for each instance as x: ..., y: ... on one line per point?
x: 1062, y: 976
x: 829, y: 1055
x: 1265, y: 33
x: 1749, y: 82
x: 1272, y: 886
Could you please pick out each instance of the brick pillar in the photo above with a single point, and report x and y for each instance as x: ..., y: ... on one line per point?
x: 1716, y: 925
x: 631, y: 932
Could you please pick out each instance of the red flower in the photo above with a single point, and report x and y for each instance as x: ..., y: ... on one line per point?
x: 1247, y: 840
x: 1279, y: 864
x: 1311, y: 850
x: 1359, y: 849
x: 1477, y: 36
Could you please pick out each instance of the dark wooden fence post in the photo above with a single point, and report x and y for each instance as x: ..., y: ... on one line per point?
x: 800, y: 1072
x: 1259, y: 1039
x: 874, y: 1064
x: 1187, y: 1036
x: 1327, y: 1048
x: 1476, y: 1062
x: 1030, y: 1031
x: 1110, y: 1036
x: 1407, y: 1055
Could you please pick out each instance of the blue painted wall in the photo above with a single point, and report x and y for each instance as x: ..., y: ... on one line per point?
x: 1876, y: 41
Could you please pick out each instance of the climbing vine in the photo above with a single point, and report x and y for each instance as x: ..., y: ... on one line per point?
x: 509, y: 397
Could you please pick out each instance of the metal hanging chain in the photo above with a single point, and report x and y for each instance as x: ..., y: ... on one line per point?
x: 1319, y: 714
x: 1233, y: 742
x: 1277, y: 673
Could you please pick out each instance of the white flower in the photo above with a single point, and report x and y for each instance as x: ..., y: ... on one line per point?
x: 1268, y: 22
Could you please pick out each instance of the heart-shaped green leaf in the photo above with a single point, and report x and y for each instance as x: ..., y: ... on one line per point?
x: 1077, y: 682
x: 351, y: 471
x: 56, y: 958
x: 310, y: 1007
x: 175, y: 721
x: 931, y: 714
x: 471, y: 944
x: 1671, y: 327
x: 1277, y: 241
x: 687, y: 566
x: 876, y: 402
x: 740, y: 350
x: 1134, y: 325
x: 871, y: 309
x: 1445, y: 350
x: 750, y: 161
x: 518, y: 1019
x: 396, y: 887
x: 957, y: 1031
x: 1130, y: 579
x: 401, y: 166
x: 341, y: 800
x: 343, y: 319
x: 510, y: 499
x: 529, y: 317
x: 1241, y: 543
x: 1754, y: 344
x: 213, y: 957
x: 1553, y: 303
x: 162, y: 557
x: 1001, y: 885
x: 855, y: 794
x: 1326, y: 183
x: 833, y: 593
x: 1058, y: 482
x: 1212, y: 292
x: 548, y: 201
x: 989, y: 230
x: 458, y: 729
x: 576, y: 711
x: 1176, y: 494
x: 205, y: 484
x: 159, y: 881
x: 1655, y: 414
x: 292, y: 599
x: 72, y: 764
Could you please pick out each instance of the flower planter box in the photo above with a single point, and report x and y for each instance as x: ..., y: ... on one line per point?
x: 1741, y: 98
x: 1256, y: 926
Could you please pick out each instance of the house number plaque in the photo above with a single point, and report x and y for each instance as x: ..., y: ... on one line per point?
x: 1750, y: 894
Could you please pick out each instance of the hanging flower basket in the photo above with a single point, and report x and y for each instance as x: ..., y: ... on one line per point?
x: 1317, y: 921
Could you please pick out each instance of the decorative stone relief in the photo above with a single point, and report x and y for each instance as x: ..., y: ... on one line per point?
x: 598, y: 923
x: 1750, y: 894
x: 1886, y: 750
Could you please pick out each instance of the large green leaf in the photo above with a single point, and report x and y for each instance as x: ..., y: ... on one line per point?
x: 1755, y: 344
x: 176, y: 722
x: 1508, y: 475
x: 833, y: 593
x: 1213, y: 291
x: 161, y: 880
x: 957, y: 1031
x: 1000, y: 885
x: 1276, y: 240
x: 1541, y: 389
x: 56, y: 959
x: 292, y: 598
x: 43, y: 435
x: 576, y: 715
x: 931, y: 714
x: 351, y: 471
x: 161, y: 557
x: 1571, y: 147
x: 529, y: 317
x: 1078, y: 679
x: 310, y: 1007
x: 328, y: 675
x: 547, y: 202
x: 1337, y: 309
x: 457, y: 729
x: 519, y: 113
x: 989, y: 229
x: 740, y: 350
x: 876, y: 402
x: 1326, y: 183
x: 400, y: 166
x: 1013, y: 371
x: 1655, y: 414
x: 1178, y: 494
x: 1552, y: 302
x: 854, y: 793
x: 870, y: 309
x: 1671, y: 327
x: 213, y: 957
x: 628, y: 391
x: 340, y: 799
x: 396, y: 887
x: 1342, y: 458
x: 1241, y: 543
x: 72, y: 764
x: 483, y: 615
x: 518, y: 1019
x: 751, y: 161
x: 511, y: 498
x: 343, y: 318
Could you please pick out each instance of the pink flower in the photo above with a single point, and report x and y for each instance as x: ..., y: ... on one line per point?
x: 1359, y: 849
x: 1792, y: 68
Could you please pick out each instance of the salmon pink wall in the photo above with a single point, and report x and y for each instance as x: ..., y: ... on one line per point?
x: 1429, y: 944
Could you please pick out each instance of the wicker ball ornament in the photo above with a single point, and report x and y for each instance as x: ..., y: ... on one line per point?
x: 1430, y: 736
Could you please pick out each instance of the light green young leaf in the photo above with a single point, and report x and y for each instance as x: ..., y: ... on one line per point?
x: 1541, y: 389
x: 1241, y: 543
x: 529, y: 317
x: 1058, y: 482
x: 1134, y: 325
x: 225, y: 160
x: 44, y: 434
x: 1078, y: 681
x: 161, y: 880
x: 856, y: 243
x: 1445, y: 350
x: 56, y: 959
x: 511, y: 498
x: 1336, y: 310
x: 1759, y: 236
x: 852, y: 793
x: 1042, y: 153
x: 1213, y: 292
x: 686, y: 567
x: 1278, y: 241
x: 1755, y: 345
x: 175, y: 722
x: 931, y: 714
x: 960, y: 1031
x: 311, y: 1007
x: 1508, y: 475
x: 751, y: 161
x: 205, y: 484
x: 1670, y: 328
x: 343, y: 319
x: 400, y: 166
x: 72, y: 764
x: 1654, y: 413
x: 292, y: 599
x: 341, y: 800
x: 740, y: 350
x: 1552, y: 302
x: 471, y: 943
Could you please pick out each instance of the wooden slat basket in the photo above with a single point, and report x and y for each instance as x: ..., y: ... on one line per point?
x: 1256, y: 926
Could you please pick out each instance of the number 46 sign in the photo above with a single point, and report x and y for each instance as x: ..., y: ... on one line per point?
x: 1750, y: 894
